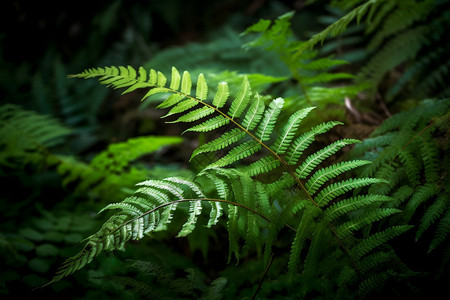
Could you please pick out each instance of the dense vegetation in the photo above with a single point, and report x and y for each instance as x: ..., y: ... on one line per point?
x: 248, y: 149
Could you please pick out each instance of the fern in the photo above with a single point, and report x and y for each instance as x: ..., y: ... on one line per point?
x: 419, y: 180
x: 249, y: 204
x: 341, y: 25
x: 26, y: 136
x: 310, y: 71
x: 405, y: 39
x: 402, y: 33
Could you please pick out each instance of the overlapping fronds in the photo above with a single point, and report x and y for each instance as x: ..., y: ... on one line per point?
x: 152, y: 207
x: 408, y: 34
x: 356, y: 14
x: 409, y: 155
x: 113, y: 169
x: 31, y: 138
x: 307, y: 68
x: 314, y: 211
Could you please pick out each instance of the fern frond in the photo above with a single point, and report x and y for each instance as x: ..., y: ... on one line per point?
x: 411, y: 162
x: 338, y: 27
x: 238, y: 195
x: 302, y: 233
x: 342, y: 207
x: 119, y: 155
x: 241, y: 101
x: 402, y: 17
x: 254, y: 114
x: 289, y: 130
x: 422, y: 194
x: 442, y: 231
x: 268, y: 121
x: 387, y: 58
x: 324, y: 175
x: 336, y: 189
x: 151, y: 209
x: 316, y: 158
x: 26, y: 136
x: 374, y: 215
x: 432, y: 214
x: 264, y: 120
x: 377, y: 239
x: 302, y: 142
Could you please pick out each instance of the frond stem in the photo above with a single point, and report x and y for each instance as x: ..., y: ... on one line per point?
x: 199, y: 199
x: 274, y: 154
x: 263, y: 277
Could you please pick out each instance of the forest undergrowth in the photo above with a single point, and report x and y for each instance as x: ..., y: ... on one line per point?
x: 290, y: 152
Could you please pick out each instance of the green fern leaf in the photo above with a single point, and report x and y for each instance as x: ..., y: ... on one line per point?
x: 171, y: 100
x: 374, y: 215
x: 202, y: 88
x: 377, y: 239
x: 238, y: 153
x: 241, y: 101
x: 422, y: 194
x: 254, y: 113
x: 152, y: 207
x: 268, y: 122
x: 372, y: 284
x: 210, y: 124
x: 289, y: 130
x: 442, y: 231
x: 314, y: 159
x: 221, y: 96
x: 182, y: 107
x: 302, y: 233
x: 221, y: 142
x: 175, y: 80
x: 195, y: 115
x: 336, y: 189
x: 316, y: 249
x: 342, y: 207
x: 432, y: 214
x: 26, y: 136
x: 296, y: 149
x: 323, y: 175
x: 263, y: 165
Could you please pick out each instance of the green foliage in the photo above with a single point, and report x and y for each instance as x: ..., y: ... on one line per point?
x: 314, y: 75
x: 157, y: 283
x: 272, y: 184
x: 28, y: 139
x: 403, y: 34
x: 25, y: 136
x: 406, y: 149
x: 32, y: 248
x: 246, y: 201
x: 338, y: 27
x: 112, y: 171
